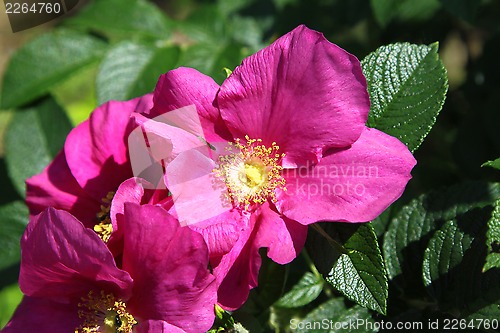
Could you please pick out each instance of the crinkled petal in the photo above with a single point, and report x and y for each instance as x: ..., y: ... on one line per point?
x: 350, y: 185
x: 222, y: 231
x: 62, y: 260
x: 96, y: 149
x: 283, y: 237
x: 43, y: 316
x: 169, y: 266
x: 136, y: 190
x: 130, y: 190
x: 182, y: 87
x: 237, y: 271
x: 157, y: 326
x: 302, y: 92
x: 56, y: 187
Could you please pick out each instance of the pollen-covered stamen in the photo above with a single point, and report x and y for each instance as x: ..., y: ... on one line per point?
x: 105, y: 314
x: 104, y: 228
x: 251, y: 171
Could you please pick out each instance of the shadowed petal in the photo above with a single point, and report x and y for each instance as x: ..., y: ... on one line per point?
x: 349, y: 185
x: 283, y: 237
x: 43, y: 316
x: 96, y: 149
x: 302, y: 92
x: 62, y: 260
x: 222, y: 231
x: 56, y: 187
x: 134, y: 190
x: 237, y: 271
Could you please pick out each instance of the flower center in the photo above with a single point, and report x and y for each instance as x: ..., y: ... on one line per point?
x: 252, y: 175
x: 251, y: 171
x: 104, y: 228
x: 104, y: 314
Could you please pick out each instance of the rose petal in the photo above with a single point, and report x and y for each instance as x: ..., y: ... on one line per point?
x: 130, y: 190
x: 169, y: 266
x: 237, y: 271
x: 157, y: 326
x: 96, y: 149
x: 56, y: 187
x: 198, y: 196
x: 155, y: 144
x: 283, y: 237
x: 351, y: 185
x: 302, y: 92
x: 186, y: 86
x: 222, y: 231
x: 134, y: 190
x: 62, y: 260
x: 43, y: 316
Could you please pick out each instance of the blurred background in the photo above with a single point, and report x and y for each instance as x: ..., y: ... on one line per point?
x: 139, y: 40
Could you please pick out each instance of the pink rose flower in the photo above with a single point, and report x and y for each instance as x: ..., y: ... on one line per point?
x: 292, y: 118
x: 132, y: 190
x: 72, y: 283
x: 85, y: 175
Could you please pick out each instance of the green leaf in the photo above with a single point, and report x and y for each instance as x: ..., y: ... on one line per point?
x: 494, y: 164
x: 333, y: 316
x: 444, y: 253
x: 34, y: 137
x: 465, y: 9
x: 479, y: 289
x: 254, y: 314
x: 381, y: 222
x: 227, y: 7
x: 13, y: 220
x: 407, y: 85
x: 206, y: 25
x: 123, y: 18
x: 349, y: 257
x: 132, y: 69
x: 227, y: 71
x: 493, y: 239
x: 304, y: 292
x: 44, y: 62
x: 453, y: 263
x: 383, y: 10
x: 223, y: 321
x: 414, y: 225
x: 386, y: 11
x: 247, y: 31
x: 211, y: 59
x: 219, y: 41
x: 10, y: 297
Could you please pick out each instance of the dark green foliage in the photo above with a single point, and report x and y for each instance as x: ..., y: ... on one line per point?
x: 433, y: 255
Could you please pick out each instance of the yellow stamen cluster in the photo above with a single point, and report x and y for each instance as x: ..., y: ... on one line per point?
x: 251, y: 172
x: 104, y: 228
x: 104, y: 314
